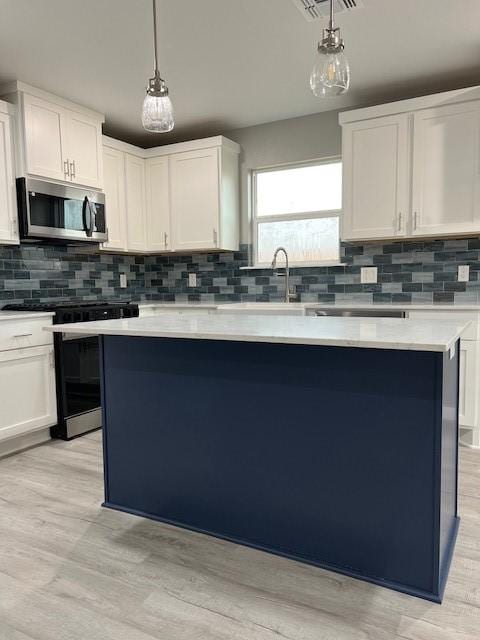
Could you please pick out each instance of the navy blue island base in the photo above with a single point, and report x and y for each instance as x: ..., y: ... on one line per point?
x: 345, y: 458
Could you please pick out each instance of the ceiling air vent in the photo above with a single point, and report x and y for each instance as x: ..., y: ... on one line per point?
x: 316, y: 9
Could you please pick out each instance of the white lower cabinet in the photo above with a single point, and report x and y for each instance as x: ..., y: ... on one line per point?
x: 469, y: 384
x: 27, y: 390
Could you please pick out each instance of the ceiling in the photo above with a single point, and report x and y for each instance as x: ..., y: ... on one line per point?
x: 231, y: 63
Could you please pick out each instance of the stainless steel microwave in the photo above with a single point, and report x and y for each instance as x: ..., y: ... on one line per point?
x: 60, y: 213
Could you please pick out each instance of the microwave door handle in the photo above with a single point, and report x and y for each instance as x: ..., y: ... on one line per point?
x: 93, y: 218
x: 87, y: 207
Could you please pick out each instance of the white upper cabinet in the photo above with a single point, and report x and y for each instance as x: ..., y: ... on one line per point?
x: 375, y: 178
x: 194, y: 182
x: 84, y: 149
x: 446, y: 178
x: 8, y: 202
x: 411, y: 168
x: 57, y: 139
x: 44, y: 138
x: 135, y: 203
x: 158, y: 204
x: 180, y: 197
x: 114, y: 186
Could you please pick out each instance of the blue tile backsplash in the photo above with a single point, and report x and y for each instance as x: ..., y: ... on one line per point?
x: 421, y: 272
x: 40, y: 273
x: 408, y: 272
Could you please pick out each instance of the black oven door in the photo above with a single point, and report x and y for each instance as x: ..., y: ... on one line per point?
x: 78, y: 384
x: 60, y: 212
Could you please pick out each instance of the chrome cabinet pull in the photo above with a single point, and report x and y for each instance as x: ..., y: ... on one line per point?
x: 72, y: 169
x: 215, y: 237
x: 415, y: 221
x: 165, y: 238
x: 66, y: 169
x: 400, y: 221
x: 22, y: 335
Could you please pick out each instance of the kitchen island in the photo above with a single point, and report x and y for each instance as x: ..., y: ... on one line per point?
x: 332, y: 442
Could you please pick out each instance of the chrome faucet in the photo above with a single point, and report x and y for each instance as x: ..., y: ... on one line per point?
x: 288, y: 295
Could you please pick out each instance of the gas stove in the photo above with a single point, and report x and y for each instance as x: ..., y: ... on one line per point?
x: 82, y: 311
x: 77, y: 363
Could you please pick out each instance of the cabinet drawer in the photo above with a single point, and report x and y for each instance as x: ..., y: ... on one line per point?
x: 19, y: 334
x: 470, y: 333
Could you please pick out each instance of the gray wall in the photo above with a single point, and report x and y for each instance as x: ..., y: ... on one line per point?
x: 294, y: 140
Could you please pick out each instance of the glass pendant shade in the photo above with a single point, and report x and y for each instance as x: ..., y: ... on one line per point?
x: 330, y: 75
x: 157, y: 113
x: 157, y: 110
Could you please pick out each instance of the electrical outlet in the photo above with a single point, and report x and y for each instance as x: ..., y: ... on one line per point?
x: 123, y: 280
x: 368, y: 275
x: 463, y: 273
x: 192, y: 279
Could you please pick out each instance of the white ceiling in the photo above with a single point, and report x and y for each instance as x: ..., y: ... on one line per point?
x: 231, y: 63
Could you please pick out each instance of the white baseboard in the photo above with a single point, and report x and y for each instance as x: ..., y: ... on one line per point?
x: 20, y: 443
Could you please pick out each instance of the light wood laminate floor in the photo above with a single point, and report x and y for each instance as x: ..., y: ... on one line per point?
x: 70, y: 569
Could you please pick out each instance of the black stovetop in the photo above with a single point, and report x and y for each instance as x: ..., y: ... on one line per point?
x: 82, y: 311
x: 59, y: 306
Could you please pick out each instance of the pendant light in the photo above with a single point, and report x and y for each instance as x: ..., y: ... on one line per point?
x: 331, y: 74
x: 157, y: 112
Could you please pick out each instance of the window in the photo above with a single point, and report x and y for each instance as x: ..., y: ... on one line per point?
x: 298, y: 208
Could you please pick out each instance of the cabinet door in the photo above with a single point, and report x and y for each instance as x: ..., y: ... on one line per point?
x: 135, y: 202
x: 8, y: 210
x: 467, y: 398
x: 114, y: 185
x: 195, y: 199
x: 44, y: 138
x: 27, y: 391
x: 446, y: 148
x: 84, y: 149
x: 375, y: 178
x: 158, y: 204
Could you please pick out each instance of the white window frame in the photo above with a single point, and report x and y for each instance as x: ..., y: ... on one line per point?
x: 255, y: 220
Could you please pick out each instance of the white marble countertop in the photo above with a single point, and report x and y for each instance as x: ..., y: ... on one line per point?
x: 309, y: 305
x: 404, y: 307
x: 377, y: 333
x: 25, y: 315
x: 178, y: 305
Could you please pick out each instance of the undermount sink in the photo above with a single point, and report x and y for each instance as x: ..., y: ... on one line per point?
x: 264, y: 308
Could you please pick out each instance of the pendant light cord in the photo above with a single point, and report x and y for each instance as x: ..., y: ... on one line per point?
x: 331, y: 26
x: 155, y: 46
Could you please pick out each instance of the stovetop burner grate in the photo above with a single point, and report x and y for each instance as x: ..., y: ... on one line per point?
x: 82, y: 311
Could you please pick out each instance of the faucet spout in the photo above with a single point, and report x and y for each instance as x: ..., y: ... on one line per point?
x: 288, y: 295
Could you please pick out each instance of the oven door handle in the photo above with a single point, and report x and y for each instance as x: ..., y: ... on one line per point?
x: 87, y: 207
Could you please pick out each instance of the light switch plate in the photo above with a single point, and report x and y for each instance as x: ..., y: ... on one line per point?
x: 463, y: 272
x: 192, y: 279
x: 368, y: 275
x: 123, y: 280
